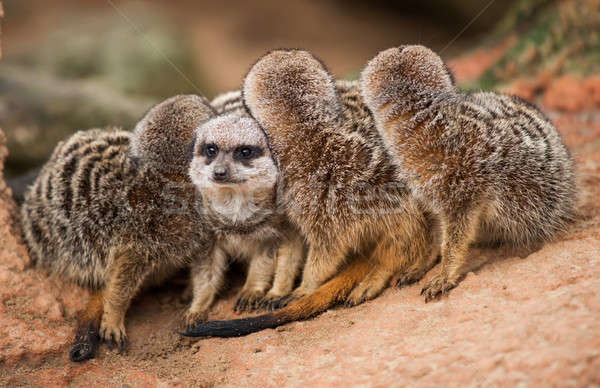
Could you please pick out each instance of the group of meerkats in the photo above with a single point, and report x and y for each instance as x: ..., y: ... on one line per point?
x: 350, y: 183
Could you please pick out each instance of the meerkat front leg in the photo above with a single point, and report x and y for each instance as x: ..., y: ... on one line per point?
x: 127, y: 272
x: 288, y: 263
x: 207, y: 277
x: 458, y: 232
x: 258, y: 281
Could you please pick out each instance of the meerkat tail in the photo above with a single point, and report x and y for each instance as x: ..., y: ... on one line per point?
x: 87, y: 338
x: 332, y: 292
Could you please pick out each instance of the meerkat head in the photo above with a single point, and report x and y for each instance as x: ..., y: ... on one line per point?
x: 232, y: 166
x: 291, y: 94
x: 404, y: 79
x: 163, y: 135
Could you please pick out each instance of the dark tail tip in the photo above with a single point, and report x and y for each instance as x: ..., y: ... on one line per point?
x: 85, y: 344
x: 232, y: 328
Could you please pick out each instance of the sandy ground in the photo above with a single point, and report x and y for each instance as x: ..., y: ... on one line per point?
x: 521, y: 318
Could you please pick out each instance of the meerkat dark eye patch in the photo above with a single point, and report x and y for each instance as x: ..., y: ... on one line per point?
x: 210, y: 151
x: 246, y: 153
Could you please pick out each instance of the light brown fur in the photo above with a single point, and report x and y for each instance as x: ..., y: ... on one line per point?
x: 339, y: 187
x: 329, y: 159
x: 114, y: 217
x: 492, y: 168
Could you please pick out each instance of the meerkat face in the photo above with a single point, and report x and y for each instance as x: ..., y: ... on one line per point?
x: 232, y: 165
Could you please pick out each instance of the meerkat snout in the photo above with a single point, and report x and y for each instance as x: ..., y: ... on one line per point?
x: 220, y: 173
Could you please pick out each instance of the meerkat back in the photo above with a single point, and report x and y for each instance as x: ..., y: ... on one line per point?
x: 114, y: 211
x: 491, y: 166
x: 80, y: 186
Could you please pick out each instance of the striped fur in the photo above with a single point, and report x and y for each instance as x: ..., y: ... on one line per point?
x: 511, y: 159
x: 340, y: 187
x: 491, y: 167
x: 114, y: 218
x: 229, y: 103
x: 114, y: 211
x: 62, y: 212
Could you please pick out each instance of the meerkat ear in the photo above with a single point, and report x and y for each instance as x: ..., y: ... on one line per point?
x: 404, y: 79
x: 290, y: 91
x: 164, y: 134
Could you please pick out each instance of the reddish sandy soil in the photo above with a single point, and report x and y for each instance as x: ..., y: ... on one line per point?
x: 520, y: 318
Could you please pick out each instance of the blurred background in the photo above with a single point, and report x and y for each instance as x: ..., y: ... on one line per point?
x: 78, y: 64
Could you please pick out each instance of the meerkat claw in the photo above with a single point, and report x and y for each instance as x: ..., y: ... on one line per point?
x: 121, y: 345
x: 110, y: 343
x: 277, y: 303
x: 437, y: 286
x: 247, y: 301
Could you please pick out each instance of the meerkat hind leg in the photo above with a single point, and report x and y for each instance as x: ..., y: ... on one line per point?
x: 458, y: 232
x: 87, y: 338
x: 384, y: 266
x: 417, y: 271
x: 321, y: 265
x: 424, y: 260
x: 407, y: 244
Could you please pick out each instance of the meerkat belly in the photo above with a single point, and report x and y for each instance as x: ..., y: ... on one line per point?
x: 244, y: 247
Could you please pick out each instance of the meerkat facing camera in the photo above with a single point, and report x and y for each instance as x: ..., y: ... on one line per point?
x: 234, y: 172
x: 114, y: 211
x: 492, y: 167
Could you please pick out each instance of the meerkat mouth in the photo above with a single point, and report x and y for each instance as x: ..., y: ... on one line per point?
x: 229, y: 182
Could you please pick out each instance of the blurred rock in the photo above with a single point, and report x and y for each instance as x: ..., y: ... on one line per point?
x: 131, y: 49
x: 95, y: 71
x: 37, y: 110
x: 570, y: 93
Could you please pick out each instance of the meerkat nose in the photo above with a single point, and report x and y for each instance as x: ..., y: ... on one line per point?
x: 220, y: 173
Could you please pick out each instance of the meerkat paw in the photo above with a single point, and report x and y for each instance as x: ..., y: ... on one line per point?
x: 191, y: 318
x: 438, y: 285
x: 412, y: 275
x: 368, y: 288
x: 272, y: 302
x: 187, y: 295
x: 282, y: 301
x: 113, y: 332
x: 248, y: 300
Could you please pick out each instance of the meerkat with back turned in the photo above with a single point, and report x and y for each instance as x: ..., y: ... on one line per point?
x: 339, y: 187
x: 491, y: 167
x: 233, y: 170
x: 114, y: 211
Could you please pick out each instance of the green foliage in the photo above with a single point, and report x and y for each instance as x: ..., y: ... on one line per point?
x: 139, y: 56
x: 552, y: 36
